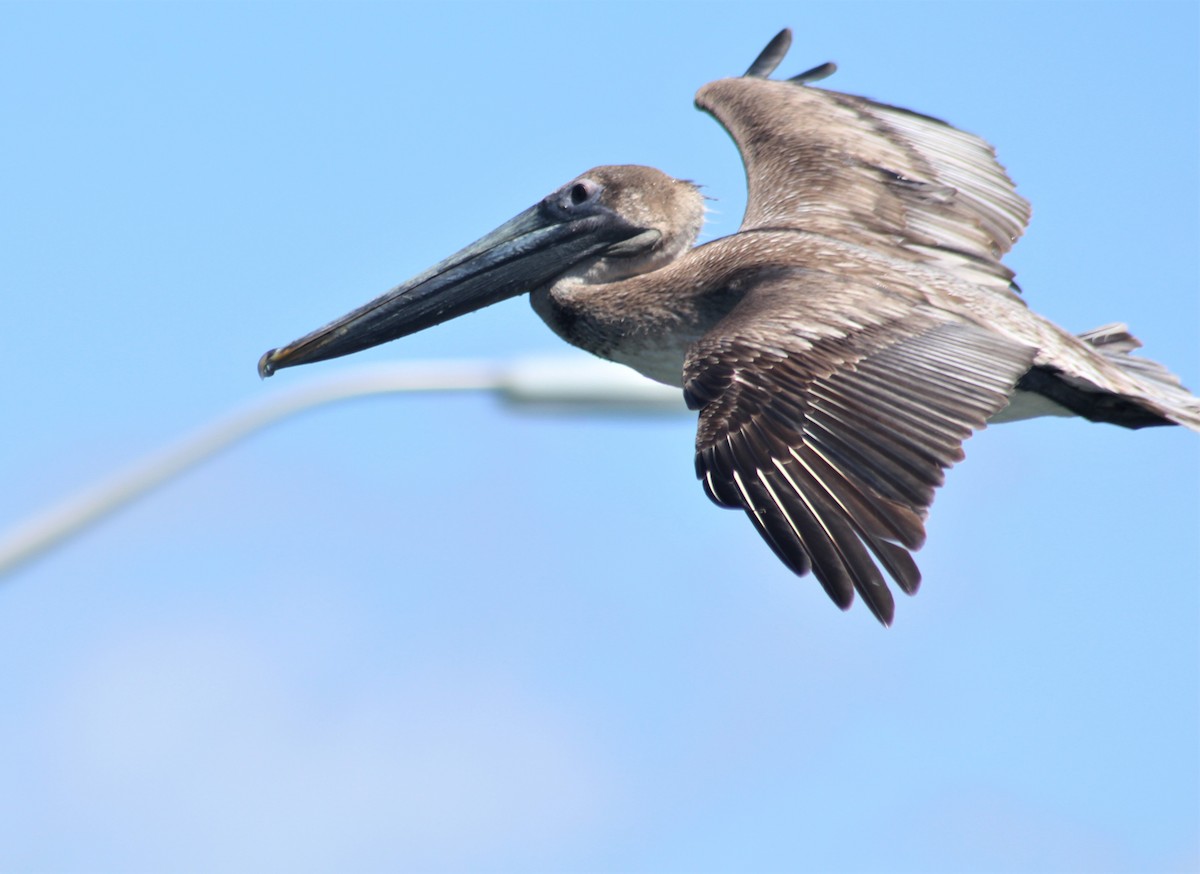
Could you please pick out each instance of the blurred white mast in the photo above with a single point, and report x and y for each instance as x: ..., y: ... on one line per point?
x: 586, y: 385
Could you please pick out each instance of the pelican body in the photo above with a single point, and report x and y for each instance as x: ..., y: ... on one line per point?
x: 839, y: 348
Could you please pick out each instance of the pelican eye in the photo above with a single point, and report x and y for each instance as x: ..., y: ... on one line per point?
x: 583, y: 191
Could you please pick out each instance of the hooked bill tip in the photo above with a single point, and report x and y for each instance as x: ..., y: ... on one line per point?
x: 266, y: 364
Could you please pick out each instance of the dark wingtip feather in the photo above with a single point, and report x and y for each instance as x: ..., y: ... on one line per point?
x: 816, y: 74
x: 768, y: 59
x: 898, y: 563
x: 885, y: 612
x: 879, y: 601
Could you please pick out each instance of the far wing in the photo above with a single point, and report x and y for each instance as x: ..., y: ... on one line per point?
x: 832, y: 431
x: 867, y: 173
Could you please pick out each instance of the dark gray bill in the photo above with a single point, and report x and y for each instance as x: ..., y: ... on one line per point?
x: 525, y: 252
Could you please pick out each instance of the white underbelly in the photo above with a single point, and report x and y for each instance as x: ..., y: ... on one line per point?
x: 1029, y: 405
x: 662, y: 364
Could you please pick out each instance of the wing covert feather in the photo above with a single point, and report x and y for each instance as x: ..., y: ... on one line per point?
x: 871, y: 174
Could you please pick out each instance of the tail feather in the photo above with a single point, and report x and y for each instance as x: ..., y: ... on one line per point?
x: 1114, y: 342
x: 1164, y: 395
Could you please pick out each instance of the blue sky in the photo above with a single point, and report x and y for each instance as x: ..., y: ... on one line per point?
x: 432, y: 634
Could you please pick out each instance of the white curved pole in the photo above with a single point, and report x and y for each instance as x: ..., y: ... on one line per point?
x: 587, y: 385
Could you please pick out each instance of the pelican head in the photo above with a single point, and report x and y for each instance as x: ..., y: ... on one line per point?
x: 607, y: 224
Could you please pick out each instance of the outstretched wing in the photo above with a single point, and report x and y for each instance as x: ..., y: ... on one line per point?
x: 829, y: 410
x: 866, y: 172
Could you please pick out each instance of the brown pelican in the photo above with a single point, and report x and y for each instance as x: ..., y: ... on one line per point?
x: 839, y: 347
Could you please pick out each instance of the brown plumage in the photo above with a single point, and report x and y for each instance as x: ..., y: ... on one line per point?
x: 839, y: 348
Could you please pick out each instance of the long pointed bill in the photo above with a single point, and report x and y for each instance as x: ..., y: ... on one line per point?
x: 525, y: 252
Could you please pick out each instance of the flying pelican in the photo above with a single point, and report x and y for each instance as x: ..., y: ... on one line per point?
x: 839, y: 348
